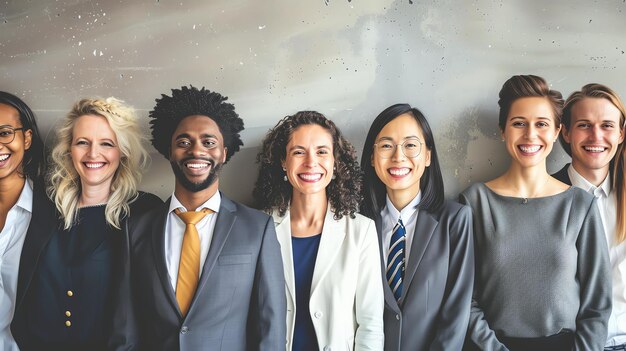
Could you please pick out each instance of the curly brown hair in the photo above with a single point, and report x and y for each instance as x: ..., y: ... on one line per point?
x: 271, y: 192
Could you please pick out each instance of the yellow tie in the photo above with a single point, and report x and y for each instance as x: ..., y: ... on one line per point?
x: 189, y: 267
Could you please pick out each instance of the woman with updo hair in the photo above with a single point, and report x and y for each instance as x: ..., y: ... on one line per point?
x: 542, y: 269
x: 74, y: 274
x: 310, y: 182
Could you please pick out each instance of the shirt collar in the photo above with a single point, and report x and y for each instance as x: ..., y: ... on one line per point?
x: 213, y: 203
x: 25, y: 201
x: 579, y: 181
x: 406, y: 213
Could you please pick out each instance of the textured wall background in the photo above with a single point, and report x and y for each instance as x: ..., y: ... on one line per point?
x: 346, y: 59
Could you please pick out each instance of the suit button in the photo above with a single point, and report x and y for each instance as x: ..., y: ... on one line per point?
x: 397, y: 316
x: 70, y: 293
x: 184, y: 329
x: 318, y: 314
x: 68, y: 323
x: 68, y: 313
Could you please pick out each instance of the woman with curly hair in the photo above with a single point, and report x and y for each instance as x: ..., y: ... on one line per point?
x: 75, y: 272
x: 310, y: 182
x: 426, y: 242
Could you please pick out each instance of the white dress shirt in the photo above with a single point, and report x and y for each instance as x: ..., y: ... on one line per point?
x: 11, y: 242
x: 390, y: 217
x: 175, y: 229
x: 607, y: 204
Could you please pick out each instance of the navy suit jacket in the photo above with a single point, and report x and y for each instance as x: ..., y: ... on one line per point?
x: 44, y: 223
x: 433, y: 311
x: 240, y: 299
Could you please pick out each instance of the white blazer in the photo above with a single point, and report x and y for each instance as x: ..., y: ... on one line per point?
x: 347, y: 300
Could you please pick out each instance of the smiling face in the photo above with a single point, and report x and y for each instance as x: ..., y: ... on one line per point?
x: 309, y: 159
x: 12, y: 154
x: 197, y: 154
x: 399, y: 173
x: 94, y: 151
x: 594, y: 135
x: 530, y: 131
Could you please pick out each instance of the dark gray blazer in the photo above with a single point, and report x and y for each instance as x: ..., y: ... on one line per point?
x: 240, y: 300
x: 563, y: 175
x: 433, y: 312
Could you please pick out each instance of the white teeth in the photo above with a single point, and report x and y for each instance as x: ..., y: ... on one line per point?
x: 530, y: 149
x: 310, y: 177
x: 94, y: 165
x: 399, y: 171
x: 594, y: 148
x: 197, y: 165
x: 4, y: 157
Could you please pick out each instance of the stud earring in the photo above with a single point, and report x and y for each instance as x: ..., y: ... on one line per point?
x: 285, y: 176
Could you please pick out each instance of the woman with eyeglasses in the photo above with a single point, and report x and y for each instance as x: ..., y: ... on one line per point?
x: 21, y: 194
x: 310, y: 181
x: 74, y: 272
x: 542, y: 266
x: 425, y: 242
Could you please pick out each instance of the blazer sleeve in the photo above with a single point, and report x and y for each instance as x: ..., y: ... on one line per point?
x: 369, y: 299
x: 124, y: 334
x: 479, y: 332
x: 455, y: 309
x: 594, y: 277
x: 124, y: 331
x: 269, y: 305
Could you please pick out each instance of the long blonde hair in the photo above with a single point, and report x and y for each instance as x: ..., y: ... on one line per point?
x: 617, y: 165
x: 65, y: 184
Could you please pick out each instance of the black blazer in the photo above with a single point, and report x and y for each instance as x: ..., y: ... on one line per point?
x: 240, y: 301
x: 433, y: 311
x: 45, y: 221
x: 563, y: 175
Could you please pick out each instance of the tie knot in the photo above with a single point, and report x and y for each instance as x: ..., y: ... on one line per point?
x: 400, y: 222
x: 192, y: 217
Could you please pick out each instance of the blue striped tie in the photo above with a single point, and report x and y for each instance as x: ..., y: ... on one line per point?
x: 395, y: 259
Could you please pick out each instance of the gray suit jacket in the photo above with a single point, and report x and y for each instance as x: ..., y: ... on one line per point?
x: 240, y: 300
x: 563, y: 175
x: 433, y: 312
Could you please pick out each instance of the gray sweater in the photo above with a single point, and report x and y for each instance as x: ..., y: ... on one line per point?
x: 542, y: 267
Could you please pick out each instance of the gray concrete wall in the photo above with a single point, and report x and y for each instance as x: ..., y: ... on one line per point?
x: 346, y: 59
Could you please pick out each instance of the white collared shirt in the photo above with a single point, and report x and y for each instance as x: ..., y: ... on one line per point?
x: 11, y: 242
x: 390, y: 217
x: 175, y: 229
x: 607, y: 204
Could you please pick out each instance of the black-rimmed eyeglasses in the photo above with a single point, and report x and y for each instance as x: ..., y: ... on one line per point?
x: 411, y: 148
x: 7, y: 134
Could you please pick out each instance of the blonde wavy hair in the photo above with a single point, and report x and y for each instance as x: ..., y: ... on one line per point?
x: 65, y: 185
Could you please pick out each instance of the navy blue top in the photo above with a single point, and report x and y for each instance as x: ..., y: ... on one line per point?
x: 304, y: 254
x: 71, y: 290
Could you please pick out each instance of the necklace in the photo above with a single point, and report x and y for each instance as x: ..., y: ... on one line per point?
x: 534, y: 194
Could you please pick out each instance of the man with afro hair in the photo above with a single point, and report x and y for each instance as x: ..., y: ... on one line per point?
x: 213, y: 282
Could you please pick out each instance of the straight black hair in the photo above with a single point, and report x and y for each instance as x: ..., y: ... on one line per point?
x: 34, y: 160
x: 431, y: 183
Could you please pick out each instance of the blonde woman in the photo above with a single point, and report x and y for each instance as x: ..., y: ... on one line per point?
x: 74, y: 275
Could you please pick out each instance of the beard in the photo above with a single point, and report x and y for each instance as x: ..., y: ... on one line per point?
x: 177, y: 167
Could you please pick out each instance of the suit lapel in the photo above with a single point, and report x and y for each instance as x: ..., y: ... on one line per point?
x: 424, y: 229
x: 42, y: 226
x: 223, y: 225
x: 158, y: 244
x: 283, y: 232
x: 331, y: 242
x: 389, y: 298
